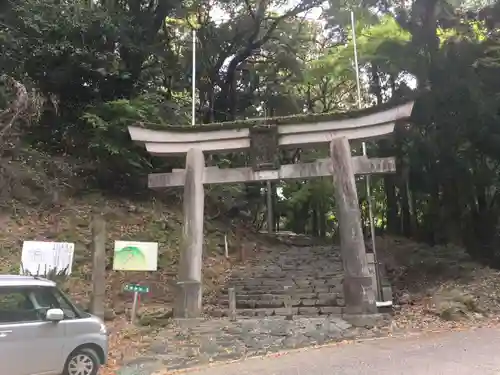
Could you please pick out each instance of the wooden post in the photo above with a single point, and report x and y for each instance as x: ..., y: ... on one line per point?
x: 98, y: 266
x: 243, y: 252
x: 358, y: 289
x: 226, y: 247
x: 288, y: 303
x: 192, y: 238
x: 232, y: 304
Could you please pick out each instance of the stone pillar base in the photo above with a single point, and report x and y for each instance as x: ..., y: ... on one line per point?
x: 359, y: 295
x: 187, y: 301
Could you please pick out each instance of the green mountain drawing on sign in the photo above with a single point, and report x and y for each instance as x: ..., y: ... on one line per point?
x: 130, y: 257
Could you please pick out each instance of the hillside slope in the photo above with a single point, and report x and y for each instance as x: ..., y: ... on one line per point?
x: 125, y: 220
x: 42, y: 198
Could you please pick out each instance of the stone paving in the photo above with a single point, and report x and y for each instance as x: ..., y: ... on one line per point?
x: 192, y: 343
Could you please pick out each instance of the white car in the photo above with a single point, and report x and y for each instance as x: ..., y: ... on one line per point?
x: 43, y: 333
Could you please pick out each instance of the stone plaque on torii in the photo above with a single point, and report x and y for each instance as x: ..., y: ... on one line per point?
x: 263, y: 137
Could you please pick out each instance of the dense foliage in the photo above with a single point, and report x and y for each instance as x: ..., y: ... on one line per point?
x: 97, y: 66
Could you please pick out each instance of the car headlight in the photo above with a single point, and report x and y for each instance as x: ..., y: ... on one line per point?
x: 103, y: 330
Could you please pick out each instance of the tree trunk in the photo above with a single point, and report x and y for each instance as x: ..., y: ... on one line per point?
x: 300, y: 218
x: 432, y: 221
x: 403, y: 172
x: 375, y: 84
x: 393, y: 218
x: 405, y: 206
x: 322, y: 219
x: 451, y: 212
x: 314, y: 218
x: 413, y: 208
x: 386, y: 149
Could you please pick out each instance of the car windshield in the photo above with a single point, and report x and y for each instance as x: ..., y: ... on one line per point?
x: 68, y: 301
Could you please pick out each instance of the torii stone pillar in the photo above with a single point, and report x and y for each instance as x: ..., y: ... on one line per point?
x: 359, y: 293
x: 189, y: 294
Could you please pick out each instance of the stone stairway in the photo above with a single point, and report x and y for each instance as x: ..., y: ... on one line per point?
x: 310, y: 274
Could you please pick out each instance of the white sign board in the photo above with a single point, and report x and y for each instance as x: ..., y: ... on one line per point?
x: 135, y: 256
x: 40, y: 257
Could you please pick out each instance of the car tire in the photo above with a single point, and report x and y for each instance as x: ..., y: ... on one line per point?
x: 82, y: 361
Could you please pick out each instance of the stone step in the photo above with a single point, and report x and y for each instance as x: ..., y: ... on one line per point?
x: 255, y: 276
x: 320, y: 262
x: 297, y: 257
x: 303, y: 257
x: 296, y: 272
x: 281, y: 311
x: 258, y: 279
x: 261, y: 289
x: 314, y: 277
x: 258, y: 304
x: 272, y: 301
x: 306, y: 281
x: 331, y: 295
x: 280, y: 289
x: 295, y: 291
x: 312, y: 265
x: 279, y: 266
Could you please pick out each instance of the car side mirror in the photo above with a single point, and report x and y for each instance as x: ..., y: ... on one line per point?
x: 54, y: 315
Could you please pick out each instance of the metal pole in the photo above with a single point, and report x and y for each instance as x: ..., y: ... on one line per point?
x: 193, y: 99
x: 367, y: 177
x: 134, y: 308
x: 269, y: 195
x: 358, y: 86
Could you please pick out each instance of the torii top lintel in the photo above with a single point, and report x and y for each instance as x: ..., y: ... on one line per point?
x: 292, y: 131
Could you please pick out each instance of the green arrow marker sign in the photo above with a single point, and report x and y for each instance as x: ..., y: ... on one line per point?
x: 134, y: 288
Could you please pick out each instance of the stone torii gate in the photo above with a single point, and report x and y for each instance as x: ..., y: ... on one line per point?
x: 264, y: 137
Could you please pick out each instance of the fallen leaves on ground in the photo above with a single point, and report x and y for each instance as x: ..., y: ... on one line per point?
x: 438, y: 287
x: 70, y: 221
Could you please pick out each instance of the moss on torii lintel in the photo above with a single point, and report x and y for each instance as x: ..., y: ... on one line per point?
x: 274, y: 121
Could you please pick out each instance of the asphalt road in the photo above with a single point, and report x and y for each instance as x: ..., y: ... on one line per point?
x: 473, y: 352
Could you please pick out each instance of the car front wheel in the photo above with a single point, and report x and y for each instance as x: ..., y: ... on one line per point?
x: 82, y: 362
